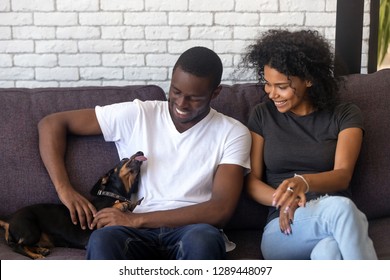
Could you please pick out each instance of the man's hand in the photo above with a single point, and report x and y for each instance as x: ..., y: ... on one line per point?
x: 79, y: 207
x: 113, y: 217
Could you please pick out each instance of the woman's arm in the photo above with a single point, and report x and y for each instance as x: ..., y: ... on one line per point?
x: 257, y: 189
x: 347, y: 151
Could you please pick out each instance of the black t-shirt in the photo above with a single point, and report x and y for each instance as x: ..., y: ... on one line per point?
x: 300, y: 144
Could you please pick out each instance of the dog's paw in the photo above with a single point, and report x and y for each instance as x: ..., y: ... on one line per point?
x: 35, y: 253
x: 123, y: 206
x: 43, y: 251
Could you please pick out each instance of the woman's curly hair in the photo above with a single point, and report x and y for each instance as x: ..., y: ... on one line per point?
x: 305, y: 54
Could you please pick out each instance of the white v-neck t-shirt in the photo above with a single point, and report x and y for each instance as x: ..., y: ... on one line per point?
x: 180, y: 166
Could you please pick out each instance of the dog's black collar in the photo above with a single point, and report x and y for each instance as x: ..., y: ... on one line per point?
x: 113, y: 195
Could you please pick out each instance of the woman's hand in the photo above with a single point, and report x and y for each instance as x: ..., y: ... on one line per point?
x: 287, y: 198
x: 286, y: 218
x: 288, y: 192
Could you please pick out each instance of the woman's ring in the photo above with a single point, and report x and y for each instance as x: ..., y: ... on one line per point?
x: 290, y: 189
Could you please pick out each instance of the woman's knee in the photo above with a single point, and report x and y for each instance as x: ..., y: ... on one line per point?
x: 326, y: 249
x: 339, y: 205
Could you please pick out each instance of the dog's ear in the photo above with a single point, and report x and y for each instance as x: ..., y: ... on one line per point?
x: 96, y: 187
x: 134, y: 187
x: 100, y: 184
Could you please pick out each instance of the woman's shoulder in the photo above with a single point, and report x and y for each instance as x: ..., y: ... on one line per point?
x: 348, y: 115
x: 347, y: 107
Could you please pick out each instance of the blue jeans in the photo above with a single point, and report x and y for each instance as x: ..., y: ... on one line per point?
x: 196, y: 242
x: 328, y: 228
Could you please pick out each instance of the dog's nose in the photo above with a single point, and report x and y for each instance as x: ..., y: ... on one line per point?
x: 139, y: 156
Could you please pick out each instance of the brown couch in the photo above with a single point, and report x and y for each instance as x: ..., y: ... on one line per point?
x: 25, y: 181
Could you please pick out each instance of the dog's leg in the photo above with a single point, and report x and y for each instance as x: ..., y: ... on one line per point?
x: 35, y: 252
x: 19, y: 248
x: 123, y: 206
x: 44, y: 245
x: 132, y: 207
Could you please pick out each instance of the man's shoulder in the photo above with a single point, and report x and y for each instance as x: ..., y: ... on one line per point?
x: 226, y: 118
x: 229, y: 121
x: 150, y: 105
x: 149, y: 102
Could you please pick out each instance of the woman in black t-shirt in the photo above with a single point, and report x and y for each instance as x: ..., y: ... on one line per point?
x: 305, y: 145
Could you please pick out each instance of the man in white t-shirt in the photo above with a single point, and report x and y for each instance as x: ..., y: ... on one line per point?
x: 191, y: 181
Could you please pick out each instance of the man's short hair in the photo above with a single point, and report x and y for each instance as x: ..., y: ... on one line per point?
x: 201, y: 62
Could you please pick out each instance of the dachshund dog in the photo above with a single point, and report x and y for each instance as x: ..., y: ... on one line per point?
x: 34, y: 229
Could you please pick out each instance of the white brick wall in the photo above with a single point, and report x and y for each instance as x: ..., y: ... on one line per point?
x: 56, y: 43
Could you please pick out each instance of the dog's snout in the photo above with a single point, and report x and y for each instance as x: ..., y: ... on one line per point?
x: 139, y: 156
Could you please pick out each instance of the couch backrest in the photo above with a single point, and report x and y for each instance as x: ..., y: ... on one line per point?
x: 370, y: 185
x: 24, y: 179
x: 237, y: 101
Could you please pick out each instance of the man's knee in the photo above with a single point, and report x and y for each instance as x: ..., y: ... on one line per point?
x: 98, y: 237
x: 203, y: 241
x: 107, y: 243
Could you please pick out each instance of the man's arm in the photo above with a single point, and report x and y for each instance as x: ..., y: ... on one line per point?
x: 53, y: 130
x: 227, y: 186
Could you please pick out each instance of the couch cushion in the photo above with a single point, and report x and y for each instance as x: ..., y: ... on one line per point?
x: 57, y: 253
x: 370, y: 185
x: 379, y: 232
x: 247, y: 244
x: 24, y: 178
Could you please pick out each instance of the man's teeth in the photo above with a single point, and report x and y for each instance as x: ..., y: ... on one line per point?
x: 180, y: 112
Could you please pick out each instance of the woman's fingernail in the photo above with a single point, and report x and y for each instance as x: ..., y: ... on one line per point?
x: 291, y: 221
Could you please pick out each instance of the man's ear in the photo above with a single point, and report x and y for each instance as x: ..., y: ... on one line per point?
x: 216, y: 92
